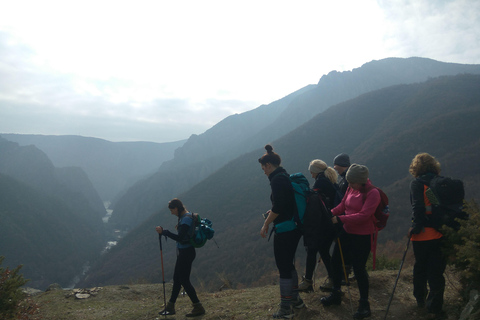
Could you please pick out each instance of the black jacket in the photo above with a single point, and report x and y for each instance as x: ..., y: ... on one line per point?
x: 282, y: 196
x: 342, y: 182
x: 326, y: 189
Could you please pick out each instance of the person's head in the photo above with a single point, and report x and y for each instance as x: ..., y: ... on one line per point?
x: 317, y: 166
x: 424, y: 163
x: 176, y: 207
x: 357, y: 176
x: 270, y: 160
x: 341, y: 163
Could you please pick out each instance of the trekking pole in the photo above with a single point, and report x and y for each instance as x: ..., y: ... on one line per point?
x: 345, y: 273
x: 163, y: 274
x: 398, y: 276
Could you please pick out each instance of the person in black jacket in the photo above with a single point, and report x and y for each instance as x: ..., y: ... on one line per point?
x: 430, y: 261
x: 286, y: 236
x: 185, y: 256
x: 341, y: 163
x: 325, y: 184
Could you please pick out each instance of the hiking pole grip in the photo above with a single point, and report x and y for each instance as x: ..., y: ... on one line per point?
x: 398, y: 277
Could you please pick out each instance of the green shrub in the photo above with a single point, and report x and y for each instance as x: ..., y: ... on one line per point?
x: 11, y: 296
x: 463, y: 248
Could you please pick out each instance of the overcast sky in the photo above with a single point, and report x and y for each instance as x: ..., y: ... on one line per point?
x: 163, y: 70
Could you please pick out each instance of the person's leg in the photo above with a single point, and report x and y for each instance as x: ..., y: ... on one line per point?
x: 360, y: 246
x: 176, y: 280
x: 324, y: 250
x: 185, y: 260
x: 420, y: 268
x: 359, y: 253
x: 310, y: 262
x: 335, y: 298
x: 284, y: 247
x: 436, y: 281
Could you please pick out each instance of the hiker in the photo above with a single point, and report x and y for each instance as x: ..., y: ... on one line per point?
x: 341, y: 163
x: 284, y: 243
x: 325, y: 181
x: 359, y: 205
x: 185, y: 256
x: 430, y: 262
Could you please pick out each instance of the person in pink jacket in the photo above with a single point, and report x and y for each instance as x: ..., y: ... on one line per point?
x: 359, y: 205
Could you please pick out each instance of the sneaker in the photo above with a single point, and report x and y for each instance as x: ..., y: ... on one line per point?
x: 327, y: 285
x: 305, y: 286
x: 284, y: 313
x: 299, y: 304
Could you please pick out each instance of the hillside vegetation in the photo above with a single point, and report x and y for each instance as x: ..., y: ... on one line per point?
x: 383, y: 129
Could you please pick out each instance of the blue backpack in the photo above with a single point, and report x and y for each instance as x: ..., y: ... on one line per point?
x: 201, y: 231
x: 301, y: 189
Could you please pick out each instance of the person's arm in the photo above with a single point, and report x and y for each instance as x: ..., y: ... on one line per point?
x: 182, y: 235
x: 270, y: 218
x: 367, y: 210
x: 419, y: 217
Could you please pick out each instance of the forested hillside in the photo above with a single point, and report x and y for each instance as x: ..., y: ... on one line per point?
x: 236, y: 135
x: 383, y: 129
x: 50, y: 218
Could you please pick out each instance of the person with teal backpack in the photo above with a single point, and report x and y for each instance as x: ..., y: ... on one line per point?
x: 287, y: 227
x: 185, y: 256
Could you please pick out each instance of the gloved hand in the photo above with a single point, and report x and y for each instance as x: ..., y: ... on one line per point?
x: 416, y: 229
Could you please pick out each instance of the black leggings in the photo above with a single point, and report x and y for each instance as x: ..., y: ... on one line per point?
x: 324, y: 250
x: 356, y: 249
x: 181, y: 275
x: 284, y: 247
x: 430, y: 264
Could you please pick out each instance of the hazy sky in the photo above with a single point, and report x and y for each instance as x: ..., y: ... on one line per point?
x: 163, y: 70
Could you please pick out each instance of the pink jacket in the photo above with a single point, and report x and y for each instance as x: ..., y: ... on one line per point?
x: 358, y: 218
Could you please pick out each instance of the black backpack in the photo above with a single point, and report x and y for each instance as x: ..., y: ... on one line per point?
x: 446, y: 196
x: 317, y: 221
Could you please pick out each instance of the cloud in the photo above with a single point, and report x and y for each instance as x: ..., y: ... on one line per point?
x: 442, y: 30
x: 93, y: 68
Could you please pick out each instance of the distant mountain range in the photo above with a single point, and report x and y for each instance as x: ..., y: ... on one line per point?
x: 382, y: 114
x: 383, y: 129
x: 111, y: 166
x: 204, y: 154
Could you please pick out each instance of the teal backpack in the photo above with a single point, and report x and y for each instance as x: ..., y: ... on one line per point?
x: 201, y: 231
x: 301, y: 188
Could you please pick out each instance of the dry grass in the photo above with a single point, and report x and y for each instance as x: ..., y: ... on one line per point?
x: 143, y: 301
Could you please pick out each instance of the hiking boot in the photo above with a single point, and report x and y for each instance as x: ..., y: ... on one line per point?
x: 363, y: 310
x: 436, y: 316
x: 305, y: 286
x: 335, y: 298
x: 284, y: 313
x: 327, y: 285
x: 298, y: 304
x: 169, y: 309
x: 197, y: 310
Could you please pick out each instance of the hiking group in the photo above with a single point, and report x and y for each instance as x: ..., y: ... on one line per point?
x: 349, y: 212
x: 343, y: 210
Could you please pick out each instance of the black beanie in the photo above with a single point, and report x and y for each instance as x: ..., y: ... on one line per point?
x: 342, y: 160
